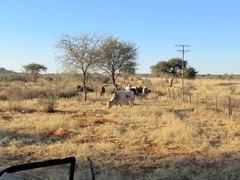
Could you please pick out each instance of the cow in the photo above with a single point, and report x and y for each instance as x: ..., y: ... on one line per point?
x: 120, y: 98
x: 132, y: 88
x: 139, y: 89
x: 79, y: 88
x: 128, y: 87
x: 145, y: 91
x: 136, y: 90
x: 102, y: 90
x: 88, y: 88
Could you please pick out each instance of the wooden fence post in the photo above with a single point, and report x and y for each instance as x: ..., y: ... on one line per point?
x: 229, y: 106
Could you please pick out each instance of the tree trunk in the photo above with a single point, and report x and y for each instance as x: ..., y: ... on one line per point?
x: 85, y: 95
x: 114, y: 82
x: 84, y: 87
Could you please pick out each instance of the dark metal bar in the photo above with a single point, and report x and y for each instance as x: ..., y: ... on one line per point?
x: 47, y: 163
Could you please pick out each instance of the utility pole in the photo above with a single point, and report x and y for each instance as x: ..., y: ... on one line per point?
x: 183, y: 50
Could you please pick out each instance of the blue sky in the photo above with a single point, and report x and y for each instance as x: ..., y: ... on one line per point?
x: 30, y: 30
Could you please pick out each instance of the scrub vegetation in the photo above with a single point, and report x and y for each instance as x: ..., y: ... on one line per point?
x: 161, y: 137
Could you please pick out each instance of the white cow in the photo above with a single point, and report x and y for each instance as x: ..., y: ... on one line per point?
x: 120, y: 98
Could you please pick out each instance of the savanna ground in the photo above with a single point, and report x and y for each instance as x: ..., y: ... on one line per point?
x: 158, y: 138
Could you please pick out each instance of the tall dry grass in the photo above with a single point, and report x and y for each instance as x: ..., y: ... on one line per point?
x: 158, y: 138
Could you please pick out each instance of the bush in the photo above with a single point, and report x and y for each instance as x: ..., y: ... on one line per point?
x: 68, y: 93
x: 48, y: 99
x: 15, y: 98
x: 11, y: 77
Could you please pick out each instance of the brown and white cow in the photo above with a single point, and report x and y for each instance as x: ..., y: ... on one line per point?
x: 101, y: 90
x: 120, y: 98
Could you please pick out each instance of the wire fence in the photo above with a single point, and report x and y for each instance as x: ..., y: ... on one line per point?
x: 224, y: 104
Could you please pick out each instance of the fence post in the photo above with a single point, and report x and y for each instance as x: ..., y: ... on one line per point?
x: 229, y: 106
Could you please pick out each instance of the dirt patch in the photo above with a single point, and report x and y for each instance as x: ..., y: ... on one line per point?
x: 60, y: 132
x: 157, y: 149
x: 165, y: 150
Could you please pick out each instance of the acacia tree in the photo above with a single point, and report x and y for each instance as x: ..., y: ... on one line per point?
x: 129, y: 68
x: 173, y: 67
x: 32, y: 70
x: 79, y: 53
x: 116, y: 54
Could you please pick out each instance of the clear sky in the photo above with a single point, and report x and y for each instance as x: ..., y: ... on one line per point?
x: 30, y: 30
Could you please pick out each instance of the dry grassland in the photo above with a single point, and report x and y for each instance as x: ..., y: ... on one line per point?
x: 158, y: 138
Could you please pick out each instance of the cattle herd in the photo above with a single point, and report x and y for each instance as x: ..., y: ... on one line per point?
x: 139, y: 90
x: 128, y: 96
x: 121, y: 97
